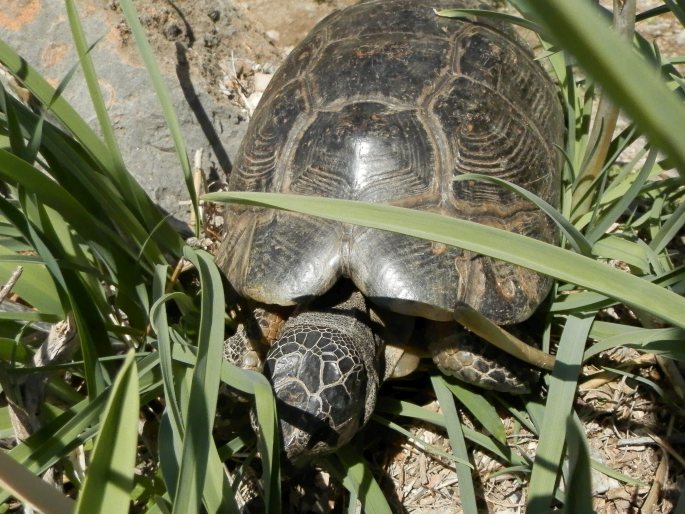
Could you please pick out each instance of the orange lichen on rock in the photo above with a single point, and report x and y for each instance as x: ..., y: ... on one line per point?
x: 17, y: 13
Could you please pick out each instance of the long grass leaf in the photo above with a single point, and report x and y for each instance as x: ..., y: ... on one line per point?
x: 118, y: 166
x: 607, y: 219
x: 109, y: 481
x: 542, y: 257
x: 579, y: 488
x: 358, y: 478
x: 481, y: 409
x: 669, y: 230
x: 574, y: 237
x: 31, y: 489
x: 632, y: 83
x: 86, y: 138
x: 496, y: 16
x: 165, y: 99
x: 467, y: 489
x: 562, y: 389
x: 204, y: 387
x: 410, y: 410
x: 35, y: 285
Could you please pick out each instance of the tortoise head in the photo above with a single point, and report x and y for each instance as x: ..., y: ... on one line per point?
x: 323, y: 369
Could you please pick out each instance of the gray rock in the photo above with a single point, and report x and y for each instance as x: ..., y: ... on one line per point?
x: 40, y: 33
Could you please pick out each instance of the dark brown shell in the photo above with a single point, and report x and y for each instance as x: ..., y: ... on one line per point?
x: 387, y: 102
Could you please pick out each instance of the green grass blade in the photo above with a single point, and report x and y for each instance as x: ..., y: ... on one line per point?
x: 359, y: 480
x: 109, y: 481
x: 579, y: 489
x: 159, y: 322
x: 609, y: 218
x: 574, y: 237
x: 118, y: 166
x: 669, y: 230
x: 15, y: 170
x: 416, y: 440
x: 165, y: 100
x: 481, y: 409
x: 545, y: 258
x: 467, y: 489
x: 632, y: 83
x: 46, y: 94
x: 562, y: 390
x: 35, y: 285
x: 31, y: 489
x: 410, y: 410
x: 98, y: 154
x: 45, y: 447
x: 496, y: 16
x: 204, y: 387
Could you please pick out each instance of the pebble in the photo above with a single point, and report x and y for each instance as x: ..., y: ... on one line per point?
x: 261, y: 80
x: 253, y: 100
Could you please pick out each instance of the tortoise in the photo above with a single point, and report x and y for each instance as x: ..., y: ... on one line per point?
x: 386, y: 102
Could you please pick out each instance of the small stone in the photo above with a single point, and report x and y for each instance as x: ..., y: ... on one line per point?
x: 273, y: 35
x: 172, y: 31
x: 269, y: 68
x: 253, y: 100
x: 261, y: 80
x: 211, y: 39
x: 214, y: 15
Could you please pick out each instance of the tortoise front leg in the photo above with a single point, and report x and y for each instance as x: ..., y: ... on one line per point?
x: 463, y: 355
x: 258, y: 327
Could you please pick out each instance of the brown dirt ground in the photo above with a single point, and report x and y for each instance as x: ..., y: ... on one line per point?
x: 231, y: 46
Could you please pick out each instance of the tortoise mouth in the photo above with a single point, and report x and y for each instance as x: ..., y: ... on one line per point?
x: 304, y: 435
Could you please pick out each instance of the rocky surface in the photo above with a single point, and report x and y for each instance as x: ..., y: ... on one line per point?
x: 192, y: 45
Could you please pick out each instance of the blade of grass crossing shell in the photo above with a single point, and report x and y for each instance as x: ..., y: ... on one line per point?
x: 579, y: 489
x: 358, y: 479
x: 494, y: 15
x: 467, y: 490
x: 562, y: 389
x: 163, y: 94
x: 574, y: 237
x: 632, y: 83
x: 204, y: 388
x: 31, y: 489
x: 109, y: 478
x: 562, y: 264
